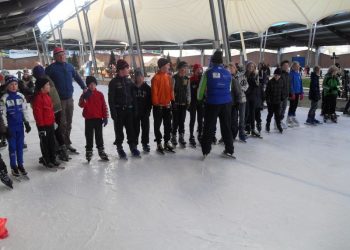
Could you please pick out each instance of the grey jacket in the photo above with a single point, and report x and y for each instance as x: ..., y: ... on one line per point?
x: 236, y: 90
x: 244, y: 86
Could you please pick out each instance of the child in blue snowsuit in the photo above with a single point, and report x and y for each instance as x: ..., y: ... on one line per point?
x: 15, y: 115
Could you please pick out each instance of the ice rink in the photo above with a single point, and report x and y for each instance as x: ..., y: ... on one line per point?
x: 283, y: 192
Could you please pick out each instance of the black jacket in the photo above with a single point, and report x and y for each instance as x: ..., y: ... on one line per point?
x: 285, y: 84
x: 274, y: 91
x: 314, y: 92
x: 121, y: 94
x: 144, y: 99
x: 254, y: 91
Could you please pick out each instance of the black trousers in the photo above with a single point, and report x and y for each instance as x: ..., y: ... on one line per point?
x: 162, y: 114
x: 250, y: 114
x: 330, y: 102
x: 293, y: 105
x: 234, y: 121
x: 179, y: 117
x: 196, y: 109
x: 212, y: 112
x: 125, y: 118
x: 274, y: 109
x: 47, y: 143
x: 93, y: 126
x: 3, y: 167
x: 58, y: 134
x: 143, y: 122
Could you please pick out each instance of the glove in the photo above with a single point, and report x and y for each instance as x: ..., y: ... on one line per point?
x: 301, y: 97
x: 87, y: 94
x: 104, y: 122
x: 8, y: 133
x: 292, y: 97
x: 28, y: 127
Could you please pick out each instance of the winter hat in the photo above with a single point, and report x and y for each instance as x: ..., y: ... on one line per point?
x: 138, y: 72
x: 90, y: 79
x: 38, y: 71
x: 196, y: 66
x: 181, y: 65
x: 277, y: 71
x: 217, y: 57
x: 57, y: 50
x: 10, y: 78
x: 40, y: 82
x: 122, y: 64
x: 162, y: 61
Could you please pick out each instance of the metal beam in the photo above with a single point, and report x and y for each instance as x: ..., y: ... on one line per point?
x: 223, y: 31
x: 137, y: 34
x: 88, y: 31
x: 131, y: 49
x: 37, y: 47
x: 216, y: 42
x: 59, y: 29
x: 84, y: 50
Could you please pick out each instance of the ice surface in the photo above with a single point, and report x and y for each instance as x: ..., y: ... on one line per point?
x: 287, y: 191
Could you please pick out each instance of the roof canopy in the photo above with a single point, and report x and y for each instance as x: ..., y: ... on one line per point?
x: 181, y: 21
x: 18, y: 18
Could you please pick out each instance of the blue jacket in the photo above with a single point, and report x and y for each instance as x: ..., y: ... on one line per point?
x: 296, y: 84
x: 62, y: 75
x: 14, y: 109
x: 314, y: 93
x: 216, y: 85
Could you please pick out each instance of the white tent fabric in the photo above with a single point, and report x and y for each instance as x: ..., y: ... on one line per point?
x: 183, y: 20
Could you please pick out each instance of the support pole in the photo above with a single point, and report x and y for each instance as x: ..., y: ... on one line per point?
x: 137, y: 34
x: 261, y: 44
x: 317, y: 56
x: 37, y: 47
x: 59, y: 28
x: 216, y: 43
x: 308, y: 46
x: 1, y: 61
x: 313, y: 39
x: 223, y: 31
x: 279, y: 53
x: 131, y: 49
x: 52, y: 30
x: 263, y: 54
x: 181, y: 48
x: 84, y: 50
x: 88, y: 31
x: 202, y: 57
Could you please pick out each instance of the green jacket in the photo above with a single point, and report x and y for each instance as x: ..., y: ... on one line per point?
x: 330, y: 85
x: 56, y: 101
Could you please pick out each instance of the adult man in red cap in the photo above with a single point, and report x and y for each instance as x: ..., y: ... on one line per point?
x: 123, y: 105
x: 62, y: 74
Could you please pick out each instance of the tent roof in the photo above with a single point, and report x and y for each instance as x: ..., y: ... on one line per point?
x: 18, y: 18
x: 178, y: 22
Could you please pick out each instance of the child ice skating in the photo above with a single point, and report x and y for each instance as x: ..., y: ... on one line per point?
x: 330, y: 91
x: 45, y: 119
x: 274, y: 97
x: 95, y: 114
x: 15, y: 117
x: 314, y: 96
x: 144, y: 103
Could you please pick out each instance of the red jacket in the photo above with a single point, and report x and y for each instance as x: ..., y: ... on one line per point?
x: 95, y: 106
x: 43, y: 110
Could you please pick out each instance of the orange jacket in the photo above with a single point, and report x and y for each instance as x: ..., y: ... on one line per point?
x: 162, y: 89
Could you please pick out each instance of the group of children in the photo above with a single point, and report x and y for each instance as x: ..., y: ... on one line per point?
x: 170, y: 97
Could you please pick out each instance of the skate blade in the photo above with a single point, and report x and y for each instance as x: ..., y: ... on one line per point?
x: 25, y: 177
x: 229, y: 156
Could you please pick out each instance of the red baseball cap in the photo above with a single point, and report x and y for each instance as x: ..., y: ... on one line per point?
x: 57, y: 50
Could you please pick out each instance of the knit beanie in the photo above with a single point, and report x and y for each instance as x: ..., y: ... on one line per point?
x: 10, y: 78
x: 38, y: 71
